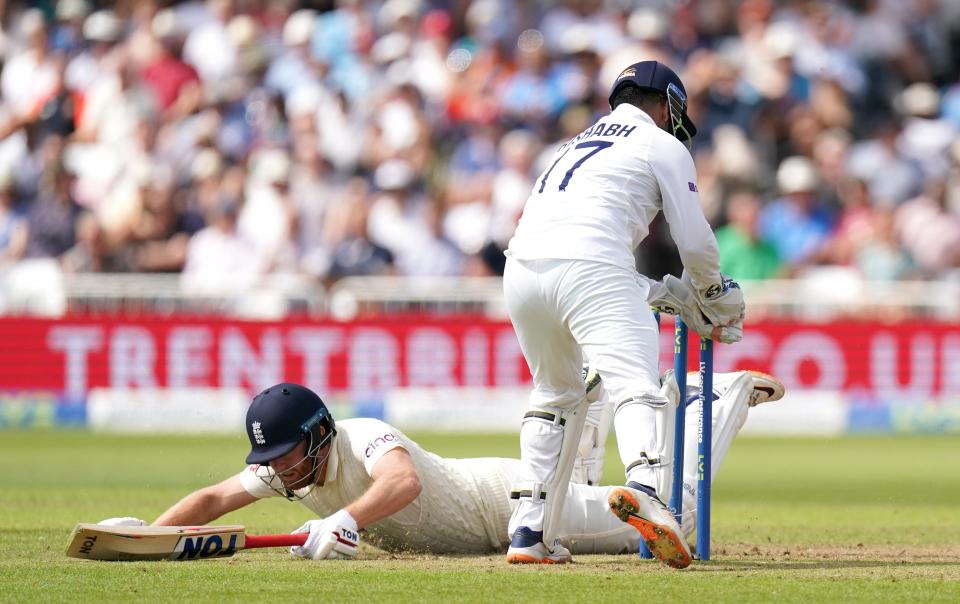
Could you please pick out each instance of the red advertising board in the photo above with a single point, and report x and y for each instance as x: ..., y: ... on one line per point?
x: 71, y: 355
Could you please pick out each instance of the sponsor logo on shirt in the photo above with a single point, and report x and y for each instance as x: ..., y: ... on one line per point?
x: 693, y: 187
x: 374, y: 444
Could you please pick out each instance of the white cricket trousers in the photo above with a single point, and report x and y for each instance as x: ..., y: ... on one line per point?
x: 587, y: 526
x: 558, y: 308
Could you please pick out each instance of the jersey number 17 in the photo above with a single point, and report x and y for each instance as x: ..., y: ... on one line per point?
x: 594, y: 146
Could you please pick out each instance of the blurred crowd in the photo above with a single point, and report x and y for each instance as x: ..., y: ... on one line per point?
x: 230, y: 139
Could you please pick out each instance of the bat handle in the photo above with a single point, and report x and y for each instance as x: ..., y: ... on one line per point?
x: 252, y: 541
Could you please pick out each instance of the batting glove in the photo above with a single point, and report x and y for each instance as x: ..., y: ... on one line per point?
x: 123, y: 521
x: 335, y: 537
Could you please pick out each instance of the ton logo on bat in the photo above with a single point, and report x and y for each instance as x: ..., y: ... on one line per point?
x: 203, y: 546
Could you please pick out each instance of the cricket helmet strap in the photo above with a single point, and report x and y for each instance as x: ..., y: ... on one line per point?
x: 283, y: 415
x: 653, y: 75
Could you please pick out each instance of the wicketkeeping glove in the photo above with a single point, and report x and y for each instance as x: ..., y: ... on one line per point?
x: 336, y: 537
x: 673, y: 296
x: 722, y: 303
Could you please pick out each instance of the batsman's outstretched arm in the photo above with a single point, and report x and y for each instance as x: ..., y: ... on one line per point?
x: 207, y: 504
x: 395, y: 485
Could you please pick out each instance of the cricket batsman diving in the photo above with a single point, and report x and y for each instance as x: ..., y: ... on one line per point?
x: 365, y: 475
x: 571, y: 288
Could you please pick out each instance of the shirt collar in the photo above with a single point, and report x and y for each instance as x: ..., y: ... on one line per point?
x: 634, y: 112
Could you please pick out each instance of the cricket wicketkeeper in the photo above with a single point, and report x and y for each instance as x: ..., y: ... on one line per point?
x: 571, y: 288
x: 363, y: 476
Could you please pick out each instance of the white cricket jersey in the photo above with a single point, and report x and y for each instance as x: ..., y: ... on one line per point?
x: 464, y: 505
x: 597, y: 196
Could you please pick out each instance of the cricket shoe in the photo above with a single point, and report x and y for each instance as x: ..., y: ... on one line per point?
x: 766, y: 388
x: 656, y: 524
x: 527, y: 547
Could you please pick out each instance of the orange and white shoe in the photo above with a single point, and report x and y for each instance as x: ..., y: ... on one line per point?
x: 766, y: 388
x: 656, y: 524
x: 527, y: 547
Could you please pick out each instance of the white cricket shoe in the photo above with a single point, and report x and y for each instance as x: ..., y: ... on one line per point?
x: 656, y: 524
x: 527, y: 547
x: 766, y: 388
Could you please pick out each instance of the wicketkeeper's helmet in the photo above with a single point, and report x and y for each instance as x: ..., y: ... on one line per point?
x: 283, y: 415
x: 653, y: 75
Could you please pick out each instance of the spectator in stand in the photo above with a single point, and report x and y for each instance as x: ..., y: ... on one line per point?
x: 266, y: 217
x: 797, y: 224
x: 98, y: 57
x: 13, y: 225
x: 929, y: 231
x: 881, y: 257
x: 52, y: 217
x: 436, y: 255
x: 856, y: 222
x: 396, y: 219
x: 512, y: 184
x: 602, y: 23
x: 743, y: 255
x: 532, y: 94
x: 466, y: 94
x: 294, y: 66
x: 66, y: 32
x: 952, y: 195
x: 398, y: 130
x: 31, y: 72
x: 219, y: 260
x: 727, y: 100
x: 161, y: 235
x: 428, y: 57
x: 926, y: 137
x: 353, y: 253
x: 175, y: 85
x: 89, y: 254
x: 209, y: 48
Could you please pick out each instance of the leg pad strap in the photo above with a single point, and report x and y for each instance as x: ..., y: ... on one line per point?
x: 644, y: 461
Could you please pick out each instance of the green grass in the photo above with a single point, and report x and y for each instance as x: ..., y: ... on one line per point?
x: 795, y: 520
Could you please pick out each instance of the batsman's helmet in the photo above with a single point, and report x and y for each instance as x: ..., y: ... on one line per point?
x: 283, y: 415
x: 652, y: 75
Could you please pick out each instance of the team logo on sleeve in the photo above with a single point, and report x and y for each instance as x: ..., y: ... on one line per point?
x: 693, y: 187
x: 375, y: 443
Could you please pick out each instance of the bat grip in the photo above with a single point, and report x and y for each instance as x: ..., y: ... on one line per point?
x: 252, y: 541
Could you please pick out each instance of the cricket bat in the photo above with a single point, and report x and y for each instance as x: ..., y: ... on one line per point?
x: 98, y: 542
